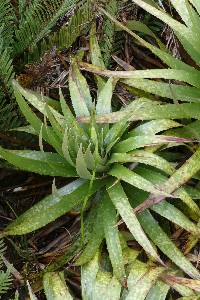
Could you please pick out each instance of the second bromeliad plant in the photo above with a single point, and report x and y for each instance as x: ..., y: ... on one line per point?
x: 101, y: 156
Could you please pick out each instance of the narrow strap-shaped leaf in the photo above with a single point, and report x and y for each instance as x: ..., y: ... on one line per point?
x: 55, y: 287
x: 70, y: 120
x: 103, y: 105
x: 168, y: 90
x: 122, y: 173
x: 144, y: 157
x: 160, y: 238
x: 81, y: 166
x: 147, y: 140
x: 184, y: 173
x: 39, y: 162
x: 157, y: 112
x: 120, y: 201
x: 184, y: 32
x: 95, y: 239
x: 52, y: 137
x: 79, y: 91
x: 38, y: 101
x: 196, y: 4
x: 158, y: 178
x: 142, y: 286
x: 53, y: 206
x: 36, y: 122
x: 27, y: 112
x: 190, y: 77
x: 159, y: 291
x: 153, y: 127
x: 173, y: 214
x: 104, y: 101
x: 58, y: 130
x: 112, y: 238
x: 106, y: 287
x: 96, y: 56
x: 88, y: 276
x: 65, y: 148
x: 178, y: 178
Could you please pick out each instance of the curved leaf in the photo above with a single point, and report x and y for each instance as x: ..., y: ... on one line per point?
x: 43, y: 163
x: 120, y: 201
x: 55, y: 287
x: 53, y: 206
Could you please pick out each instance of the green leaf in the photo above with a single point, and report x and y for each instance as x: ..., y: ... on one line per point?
x: 173, y: 214
x: 79, y: 91
x: 96, y: 56
x: 185, y: 34
x: 81, y: 166
x: 70, y: 120
x: 58, y: 130
x: 115, y: 132
x: 53, y: 206
x: 144, y: 157
x: 122, y: 204
x: 149, y: 112
x: 164, y: 243
x: 95, y: 50
x: 88, y: 277
x: 44, y: 163
x: 95, y: 239
x: 122, y: 173
x: 184, y: 173
x: 178, y: 178
x: 103, y: 105
x: 141, y: 27
x: 89, y: 158
x: 159, y: 291
x: 52, y: 138
x: 147, y: 140
x: 65, y: 148
x: 190, y: 77
x: 106, y: 287
x: 168, y: 90
x: 138, y: 289
x: 55, y: 287
x: 112, y: 238
x: 153, y: 127
x: 157, y: 178
x: 40, y: 102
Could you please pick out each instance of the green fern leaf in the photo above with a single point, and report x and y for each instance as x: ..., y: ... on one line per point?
x: 107, y: 42
x: 68, y: 33
x: 39, y: 18
x: 8, y: 18
x: 5, y: 278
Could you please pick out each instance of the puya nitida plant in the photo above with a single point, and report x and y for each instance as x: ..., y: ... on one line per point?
x: 116, y: 170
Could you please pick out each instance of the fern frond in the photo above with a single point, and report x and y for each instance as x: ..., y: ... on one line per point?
x: 2, y: 251
x: 108, y: 29
x: 21, y: 7
x: 39, y: 18
x: 8, y: 18
x: 5, y: 278
x: 8, y: 109
x: 77, y: 23
x: 68, y: 33
x: 5, y: 281
x: 6, y: 70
